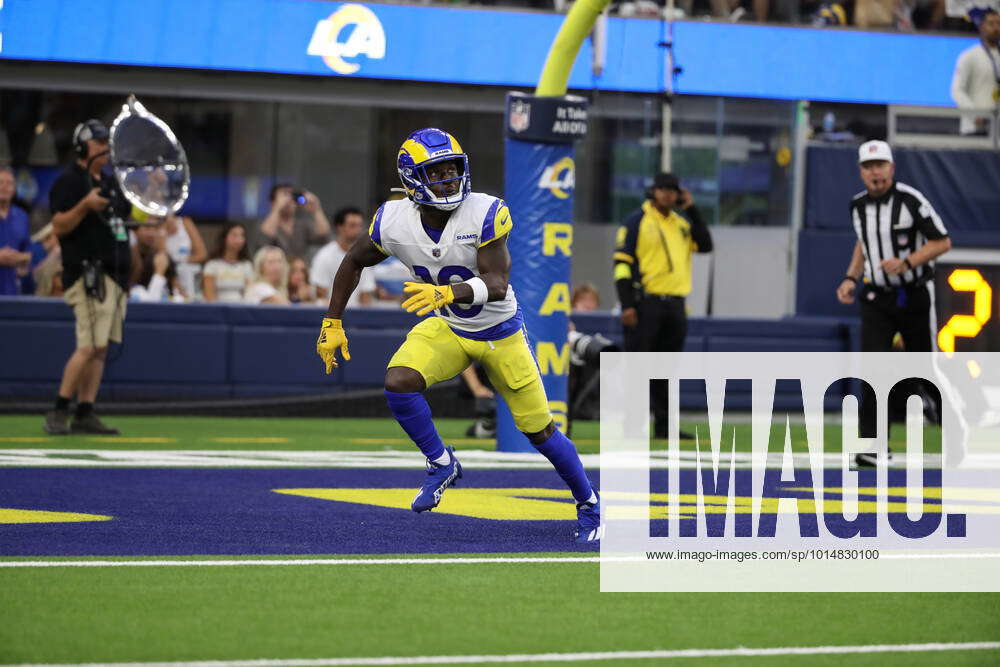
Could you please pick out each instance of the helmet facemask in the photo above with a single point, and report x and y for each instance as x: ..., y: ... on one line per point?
x: 434, y: 147
x: 421, y: 190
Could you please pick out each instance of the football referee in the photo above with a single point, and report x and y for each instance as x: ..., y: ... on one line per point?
x: 899, y: 236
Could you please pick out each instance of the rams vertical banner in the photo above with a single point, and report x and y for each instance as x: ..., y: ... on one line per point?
x: 540, y: 176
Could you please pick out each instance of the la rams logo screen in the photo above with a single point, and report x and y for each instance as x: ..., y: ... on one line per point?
x: 559, y: 177
x: 351, y: 31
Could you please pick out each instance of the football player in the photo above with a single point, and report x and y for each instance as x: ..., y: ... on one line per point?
x: 454, y: 242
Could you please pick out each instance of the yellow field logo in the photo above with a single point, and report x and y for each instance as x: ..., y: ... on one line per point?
x: 363, y: 35
x: 559, y: 177
x: 537, y: 504
x: 11, y: 515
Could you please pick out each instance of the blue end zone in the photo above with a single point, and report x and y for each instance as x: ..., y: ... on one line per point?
x: 179, y: 512
x: 161, y: 512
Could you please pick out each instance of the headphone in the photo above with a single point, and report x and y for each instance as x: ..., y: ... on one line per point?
x: 84, y: 132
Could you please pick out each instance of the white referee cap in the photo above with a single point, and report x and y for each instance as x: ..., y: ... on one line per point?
x: 874, y: 150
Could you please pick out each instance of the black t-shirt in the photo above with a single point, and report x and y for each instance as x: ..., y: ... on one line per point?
x: 93, y: 239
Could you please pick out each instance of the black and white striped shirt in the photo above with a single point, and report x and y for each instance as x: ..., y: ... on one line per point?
x: 896, y: 224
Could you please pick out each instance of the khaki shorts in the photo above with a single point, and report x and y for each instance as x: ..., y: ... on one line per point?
x: 97, y: 322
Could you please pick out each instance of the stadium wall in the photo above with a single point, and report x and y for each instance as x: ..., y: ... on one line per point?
x: 186, y: 352
x: 761, y: 252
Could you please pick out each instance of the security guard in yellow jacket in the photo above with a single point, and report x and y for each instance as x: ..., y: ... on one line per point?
x: 652, y: 263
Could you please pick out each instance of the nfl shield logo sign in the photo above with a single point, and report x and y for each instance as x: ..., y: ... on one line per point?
x: 436, y: 252
x: 520, y: 116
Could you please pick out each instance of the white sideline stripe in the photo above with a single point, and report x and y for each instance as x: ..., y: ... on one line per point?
x: 561, y: 657
x: 407, y: 561
x: 300, y: 561
x: 191, y: 458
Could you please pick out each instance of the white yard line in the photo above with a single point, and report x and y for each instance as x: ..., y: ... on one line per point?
x: 567, y: 657
x: 190, y: 458
x: 299, y: 561
x: 193, y: 458
x: 180, y: 562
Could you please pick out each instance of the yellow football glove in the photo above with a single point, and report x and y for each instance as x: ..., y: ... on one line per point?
x: 427, y: 297
x: 331, y: 337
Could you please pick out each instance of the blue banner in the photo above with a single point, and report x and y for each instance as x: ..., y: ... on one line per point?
x: 484, y: 47
x: 816, y: 64
x: 539, y: 180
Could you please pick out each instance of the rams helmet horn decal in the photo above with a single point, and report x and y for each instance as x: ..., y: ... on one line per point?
x: 422, y: 149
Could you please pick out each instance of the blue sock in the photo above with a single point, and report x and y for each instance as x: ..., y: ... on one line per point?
x: 561, y: 453
x: 412, y: 412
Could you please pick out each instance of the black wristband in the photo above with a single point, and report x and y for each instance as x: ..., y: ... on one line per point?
x: 906, y: 261
x: 854, y: 280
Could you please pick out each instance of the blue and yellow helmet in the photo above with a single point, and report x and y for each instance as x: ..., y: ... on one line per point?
x: 422, y: 149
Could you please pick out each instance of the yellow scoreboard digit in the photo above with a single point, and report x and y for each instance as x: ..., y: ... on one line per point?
x: 968, y: 304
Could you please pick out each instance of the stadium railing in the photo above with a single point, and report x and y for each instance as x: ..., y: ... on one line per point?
x: 937, y: 127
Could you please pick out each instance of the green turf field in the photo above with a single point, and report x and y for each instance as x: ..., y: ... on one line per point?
x: 252, y: 433
x: 250, y: 612
x: 18, y: 431
x: 377, y: 609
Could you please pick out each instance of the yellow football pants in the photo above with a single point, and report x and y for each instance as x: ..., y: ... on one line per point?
x: 438, y: 353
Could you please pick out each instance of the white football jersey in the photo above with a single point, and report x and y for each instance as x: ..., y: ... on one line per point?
x: 479, y: 220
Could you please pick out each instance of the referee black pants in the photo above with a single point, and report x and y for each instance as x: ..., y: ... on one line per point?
x: 907, y: 311
x: 662, y: 327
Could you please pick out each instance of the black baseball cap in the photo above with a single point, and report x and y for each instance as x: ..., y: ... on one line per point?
x: 666, y: 181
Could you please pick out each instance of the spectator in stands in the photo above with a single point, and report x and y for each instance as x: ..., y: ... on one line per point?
x: 640, y: 8
x: 783, y: 11
x: 963, y: 15
x: 831, y: 14
x: 349, y: 224
x: 47, y: 274
x: 187, y: 250
x: 976, y: 81
x: 158, y: 279
x: 270, y: 284
x: 727, y: 9
x: 14, y: 237
x: 875, y: 13
x: 295, y: 221
x: 923, y: 14
x: 229, y: 270
x: 38, y: 252
x: 299, y: 289
x: 586, y: 298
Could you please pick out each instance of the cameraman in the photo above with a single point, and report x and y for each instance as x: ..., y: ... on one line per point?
x: 286, y: 226
x: 585, y: 358
x: 96, y: 260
